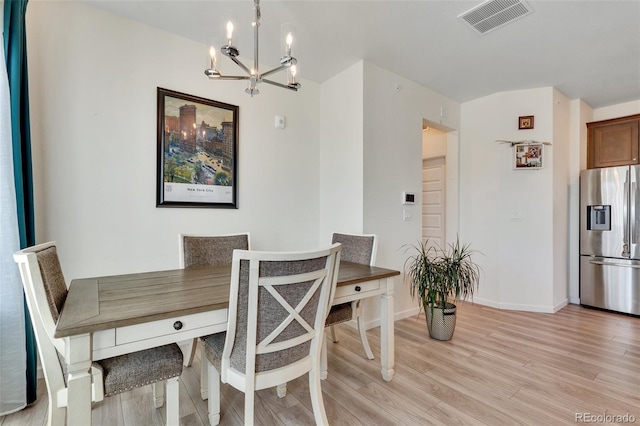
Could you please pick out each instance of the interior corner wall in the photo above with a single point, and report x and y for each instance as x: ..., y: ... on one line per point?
x: 341, y: 159
x: 93, y: 79
x: 581, y: 113
x: 507, y: 214
x: 561, y: 184
x: 394, y: 109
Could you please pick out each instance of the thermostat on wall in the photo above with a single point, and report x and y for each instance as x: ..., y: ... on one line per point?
x: 408, y: 198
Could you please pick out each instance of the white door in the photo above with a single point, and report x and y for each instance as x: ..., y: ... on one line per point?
x: 433, y: 201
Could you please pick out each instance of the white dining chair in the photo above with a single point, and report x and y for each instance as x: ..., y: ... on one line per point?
x: 46, y: 291
x: 278, y: 306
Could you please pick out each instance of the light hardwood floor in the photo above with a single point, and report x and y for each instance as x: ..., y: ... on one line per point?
x: 501, y: 368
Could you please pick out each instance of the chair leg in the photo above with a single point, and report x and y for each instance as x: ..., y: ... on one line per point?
x: 282, y: 390
x: 213, y: 377
x: 173, y: 402
x: 323, y: 360
x: 249, y: 401
x: 357, y: 309
x: 56, y: 415
x: 204, y: 366
x: 158, y: 394
x: 334, y: 335
x: 316, y: 397
x: 188, y: 348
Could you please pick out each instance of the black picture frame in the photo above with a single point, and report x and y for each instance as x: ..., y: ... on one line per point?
x: 197, y: 152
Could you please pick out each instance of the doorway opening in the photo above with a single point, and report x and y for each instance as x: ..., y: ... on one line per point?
x: 439, y: 184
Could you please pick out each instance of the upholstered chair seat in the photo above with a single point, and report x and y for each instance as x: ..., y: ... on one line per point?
x: 339, y: 314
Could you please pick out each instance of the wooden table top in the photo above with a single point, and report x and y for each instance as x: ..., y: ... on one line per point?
x: 102, y: 303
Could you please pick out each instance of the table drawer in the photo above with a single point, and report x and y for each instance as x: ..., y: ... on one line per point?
x: 166, y: 327
x: 354, y: 290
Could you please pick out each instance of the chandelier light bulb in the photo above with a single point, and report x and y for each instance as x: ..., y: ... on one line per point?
x: 229, y: 32
x: 294, y: 71
x: 212, y: 53
x: 289, y: 40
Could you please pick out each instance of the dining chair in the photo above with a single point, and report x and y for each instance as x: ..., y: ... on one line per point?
x: 278, y: 305
x: 356, y: 248
x: 46, y: 291
x: 196, y: 251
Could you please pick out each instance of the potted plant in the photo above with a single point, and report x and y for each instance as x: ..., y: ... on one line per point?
x: 439, y: 277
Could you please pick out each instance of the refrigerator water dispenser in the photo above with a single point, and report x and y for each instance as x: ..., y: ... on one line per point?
x: 599, y: 218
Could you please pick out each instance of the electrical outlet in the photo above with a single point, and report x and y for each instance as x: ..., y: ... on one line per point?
x: 516, y: 216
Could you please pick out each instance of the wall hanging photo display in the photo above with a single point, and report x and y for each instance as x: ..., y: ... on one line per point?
x: 527, y: 156
x: 197, y: 152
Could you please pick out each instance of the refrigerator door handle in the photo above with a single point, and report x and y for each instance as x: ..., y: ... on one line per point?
x: 621, y: 265
x: 634, y: 210
x: 625, y: 217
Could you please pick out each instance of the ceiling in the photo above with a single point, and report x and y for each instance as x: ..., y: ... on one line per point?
x: 586, y: 49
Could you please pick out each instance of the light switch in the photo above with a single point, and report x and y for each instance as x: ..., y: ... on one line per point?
x: 280, y: 122
x: 516, y: 216
x: 406, y: 214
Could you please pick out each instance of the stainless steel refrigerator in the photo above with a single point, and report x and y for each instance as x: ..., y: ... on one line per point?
x: 610, y: 239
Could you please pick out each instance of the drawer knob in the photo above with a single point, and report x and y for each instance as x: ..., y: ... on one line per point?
x: 177, y: 325
x: 358, y: 288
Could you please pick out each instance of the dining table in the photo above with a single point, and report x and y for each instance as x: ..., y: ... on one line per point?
x: 113, y: 315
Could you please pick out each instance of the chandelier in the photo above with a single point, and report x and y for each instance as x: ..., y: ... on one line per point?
x: 287, y: 62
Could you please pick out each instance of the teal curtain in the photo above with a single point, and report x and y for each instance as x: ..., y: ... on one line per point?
x: 15, y: 47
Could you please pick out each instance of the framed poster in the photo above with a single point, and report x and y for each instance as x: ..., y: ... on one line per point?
x: 197, y: 152
x: 527, y: 156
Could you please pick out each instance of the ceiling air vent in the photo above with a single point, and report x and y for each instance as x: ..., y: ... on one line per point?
x: 494, y: 14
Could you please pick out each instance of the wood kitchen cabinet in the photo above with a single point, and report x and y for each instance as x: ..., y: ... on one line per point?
x: 613, y: 142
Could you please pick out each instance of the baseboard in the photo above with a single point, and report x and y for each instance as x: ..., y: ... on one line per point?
x: 522, y: 307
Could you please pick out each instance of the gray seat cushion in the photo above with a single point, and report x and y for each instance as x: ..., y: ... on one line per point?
x: 339, y: 313
x: 125, y: 372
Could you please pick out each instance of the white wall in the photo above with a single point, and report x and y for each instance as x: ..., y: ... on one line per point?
x: 341, y: 158
x: 581, y: 113
x: 561, y: 183
x: 93, y: 79
x: 372, y: 133
x: 517, y: 256
x: 615, y: 111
